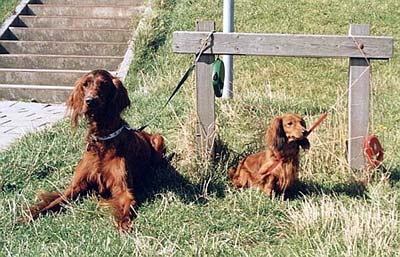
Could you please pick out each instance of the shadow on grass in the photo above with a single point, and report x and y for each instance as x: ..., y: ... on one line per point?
x: 167, y: 179
x: 213, y: 182
x: 394, y: 175
x: 307, y: 188
x: 229, y: 157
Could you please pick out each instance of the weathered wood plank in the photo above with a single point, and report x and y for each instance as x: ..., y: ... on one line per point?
x: 359, y: 89
x: 294, y: 45
x: 205, y: 99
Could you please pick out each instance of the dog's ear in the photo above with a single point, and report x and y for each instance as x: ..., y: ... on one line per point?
x: 303, y: 123
x: 275, y: 136
x: 75, y: 101
x: 304, y: 143
x: 121, y: 98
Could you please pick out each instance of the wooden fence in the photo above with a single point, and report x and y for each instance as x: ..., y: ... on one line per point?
x: 358, y: 46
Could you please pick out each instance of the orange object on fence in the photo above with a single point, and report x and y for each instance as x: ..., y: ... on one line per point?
x: 373, y: 151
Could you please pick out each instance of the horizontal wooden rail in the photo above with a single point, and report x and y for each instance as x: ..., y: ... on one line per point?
x: 291, y: 45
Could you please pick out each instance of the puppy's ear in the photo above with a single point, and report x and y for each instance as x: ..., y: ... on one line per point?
x: 304, y: 143
x: 303, y: 123
x: 275, y: 136
x: 121, y: 98
x: 75, y: 101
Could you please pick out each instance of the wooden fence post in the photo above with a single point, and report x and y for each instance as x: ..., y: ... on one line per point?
x: 205, y: 100
x: 359, y: 89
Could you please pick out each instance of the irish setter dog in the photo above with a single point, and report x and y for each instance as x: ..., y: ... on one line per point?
x: 116, y: 156
x: 274, y: 170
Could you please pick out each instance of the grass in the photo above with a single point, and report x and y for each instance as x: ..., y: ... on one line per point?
x: 6, y: 8
x: 194, y: 211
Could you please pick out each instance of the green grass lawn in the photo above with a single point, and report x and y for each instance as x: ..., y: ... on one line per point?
x: 6, y: 8
x: 192, y: 210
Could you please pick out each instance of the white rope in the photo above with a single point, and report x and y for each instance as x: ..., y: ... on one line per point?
x: 360, y: 47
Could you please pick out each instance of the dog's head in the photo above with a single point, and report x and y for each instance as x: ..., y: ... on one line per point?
x: 287, y: 129
x: 97, y: 94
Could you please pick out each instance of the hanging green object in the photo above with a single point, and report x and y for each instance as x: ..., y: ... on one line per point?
x: 218, y: 76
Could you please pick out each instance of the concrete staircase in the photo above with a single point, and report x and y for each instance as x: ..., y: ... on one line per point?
x: 52, y: 43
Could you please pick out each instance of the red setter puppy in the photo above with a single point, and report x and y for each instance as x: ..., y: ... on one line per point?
x: 274, y: 170
x: 116, y: 156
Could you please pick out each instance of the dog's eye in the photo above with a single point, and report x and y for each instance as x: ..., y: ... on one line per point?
x: 290, y: 123
x: 85, y: 84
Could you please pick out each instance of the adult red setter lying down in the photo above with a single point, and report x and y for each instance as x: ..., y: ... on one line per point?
x: 116, y: 155
x: 274, y: 170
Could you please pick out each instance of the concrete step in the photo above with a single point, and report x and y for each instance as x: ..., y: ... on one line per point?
x: 117, y: 11
x: 62, y: 48
x: 44, y: 94
x: 55, y: 42
x: 40, y: 77
x: 73, y: 22
x: 70, y: 35
x: 59, y: 62
x: 89, y: 2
